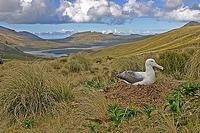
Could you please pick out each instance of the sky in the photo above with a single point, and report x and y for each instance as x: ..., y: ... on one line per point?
x: 61, y: 18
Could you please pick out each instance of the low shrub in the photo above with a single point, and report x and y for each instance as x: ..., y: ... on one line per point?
x: 175, y: 102
x: 189, y: 89
x: 118, y: 114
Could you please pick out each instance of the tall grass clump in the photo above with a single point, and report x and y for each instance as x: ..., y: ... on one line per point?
x: 78, y: 63
x: 193, y: 66
x: 31, y: 91
x: 174, y: 63
x: 127, y: 63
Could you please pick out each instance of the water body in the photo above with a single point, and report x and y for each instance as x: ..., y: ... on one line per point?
x: 60, y: 52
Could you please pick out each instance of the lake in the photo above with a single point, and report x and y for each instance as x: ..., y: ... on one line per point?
x: 60, y: 52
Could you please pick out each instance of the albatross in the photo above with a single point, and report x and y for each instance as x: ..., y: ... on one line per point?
x: 141, y: 78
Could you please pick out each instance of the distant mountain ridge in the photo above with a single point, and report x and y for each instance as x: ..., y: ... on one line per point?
x: 192, y: 23
x: 30, y: 35
x: 6, y: 29
x: 23, y: 34
x: 91, y: 38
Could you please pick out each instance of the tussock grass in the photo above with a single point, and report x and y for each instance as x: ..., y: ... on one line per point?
x: 128, y: 63
x: 193, y: 66
x: 78, y: 63
x: 174, y: 63
x: 30, y: 91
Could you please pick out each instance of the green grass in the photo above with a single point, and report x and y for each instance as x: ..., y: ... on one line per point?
x: 27, y: 123
x: 148, y: 111
x: 118, y: 114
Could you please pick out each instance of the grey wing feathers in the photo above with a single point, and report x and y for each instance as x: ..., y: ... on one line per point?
x: 130, y: 77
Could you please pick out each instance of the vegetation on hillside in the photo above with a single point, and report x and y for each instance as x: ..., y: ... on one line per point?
x: 186, y: 37
x: 71, y: 94
x: 7, y: 52
x: 81, y: 93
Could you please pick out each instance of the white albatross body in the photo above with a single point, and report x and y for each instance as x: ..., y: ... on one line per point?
x: 141, y: 78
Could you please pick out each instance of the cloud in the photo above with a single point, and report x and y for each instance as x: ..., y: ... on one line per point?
x: 134, y: 8
x: 114, y: 31
x: 183, y: 13
x: 173, y: 3
x: 63, y: 33
x: 89, y: 11
x: 103, y: 11
x: 9, y: 5
x: 93, y: 11
x: 27, y: 11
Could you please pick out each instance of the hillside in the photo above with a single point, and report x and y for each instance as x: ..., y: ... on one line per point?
x: 91, y: 38
x: 28, y: 41
x: 29, y: 35
x: 178, y: 38
x: 11, y: 37
x: 25, y: 40
x: 192, y: 23
x: 7, y: 52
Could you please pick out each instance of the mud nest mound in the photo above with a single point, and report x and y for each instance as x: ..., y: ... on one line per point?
x: 139, y: 96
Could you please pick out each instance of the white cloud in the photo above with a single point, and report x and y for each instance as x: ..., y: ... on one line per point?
x: 183, y: 13
x: 93, y: 11
x: 89, y: 10
x: 63, y: 33
x: 135, y: 8
x: 103, y: 11
x: 114, y: 31
x: 173, y: 3
x: 27, y: 11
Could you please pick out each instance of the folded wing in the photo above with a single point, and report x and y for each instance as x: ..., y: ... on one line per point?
x: 130, y: 76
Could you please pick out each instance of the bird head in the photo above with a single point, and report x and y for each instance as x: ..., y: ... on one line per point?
x: 152, y: 62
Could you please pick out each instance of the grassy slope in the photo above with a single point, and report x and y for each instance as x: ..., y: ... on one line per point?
x: 14, y: 39
x: 179, y: 38
x: 91, y: 38
x: 8, y: 52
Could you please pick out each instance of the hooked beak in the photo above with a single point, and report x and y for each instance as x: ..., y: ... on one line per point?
x: 159, y: 67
